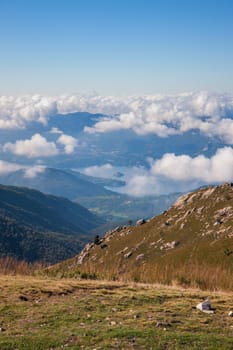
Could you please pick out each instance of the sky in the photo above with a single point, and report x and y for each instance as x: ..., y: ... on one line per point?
x: 115, y: 47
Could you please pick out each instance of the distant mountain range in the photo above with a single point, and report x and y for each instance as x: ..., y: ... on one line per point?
x: 91, y: 193
x: 59, y: 182
x: 35, y: 226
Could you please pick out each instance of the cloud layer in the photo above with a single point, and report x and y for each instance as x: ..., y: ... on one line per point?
x: 162, y: 115
x: 171, y: 173
x: 181, y: 173
x: 211, y: 114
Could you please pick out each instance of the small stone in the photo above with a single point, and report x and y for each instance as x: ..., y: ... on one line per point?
x: 127, y: 255
x: 140, y: 222
x: 113, y: 323
x: 205, y: 306
x: 140, y: 257
x: 230, y: 313
x: 2, y: 329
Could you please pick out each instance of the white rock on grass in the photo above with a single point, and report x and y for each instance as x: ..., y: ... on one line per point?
x: 205, y: 306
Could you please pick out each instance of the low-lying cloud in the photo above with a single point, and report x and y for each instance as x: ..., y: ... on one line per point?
x: 32, y: 172
x: 104, y: 171
x: 172, y: 173
x: 8, y: 167
x: 185, y: 168
x: 29, y: 171
x: 163, y: 115
x: 182, y: 173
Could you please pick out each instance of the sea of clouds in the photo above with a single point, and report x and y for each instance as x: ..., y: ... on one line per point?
x: 163, y: 115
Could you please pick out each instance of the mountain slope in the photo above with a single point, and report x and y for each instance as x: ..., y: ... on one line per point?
x: 26, y: 243
x: 46, y: 212
x: 191, y: 243
x: 39, y: 227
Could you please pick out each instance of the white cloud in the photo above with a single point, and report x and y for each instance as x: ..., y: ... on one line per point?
x: 210, y: 113
x: 16, y: 112
x: 104, y: 171
x: 35, y: 147
x: 163, y: 115
x: 32, y: 172
x: 7, y: 167
x: 180, y: 173
x: 55, y: 131
x: 29, y: 171
x: 218, y: 168
x: 69, y: 143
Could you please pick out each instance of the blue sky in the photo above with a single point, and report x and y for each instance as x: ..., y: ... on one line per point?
x: 117, y: 47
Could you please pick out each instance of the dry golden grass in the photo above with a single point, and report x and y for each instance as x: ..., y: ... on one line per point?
x: 193, y: 275
x: 11, y: 266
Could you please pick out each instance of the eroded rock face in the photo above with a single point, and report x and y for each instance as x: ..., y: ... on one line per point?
x: 181, y: 201
x: 226, y: 212
x: 84, y: 253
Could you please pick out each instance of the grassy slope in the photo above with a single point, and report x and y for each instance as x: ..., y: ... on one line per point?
x: 42, y: 314
x: 204, y: 252
x: 46, y: 212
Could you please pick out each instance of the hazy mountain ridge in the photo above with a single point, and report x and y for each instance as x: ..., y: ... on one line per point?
x: 90, y: 193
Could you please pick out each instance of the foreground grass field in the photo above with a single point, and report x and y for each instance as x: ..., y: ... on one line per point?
x: 51, y: 314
